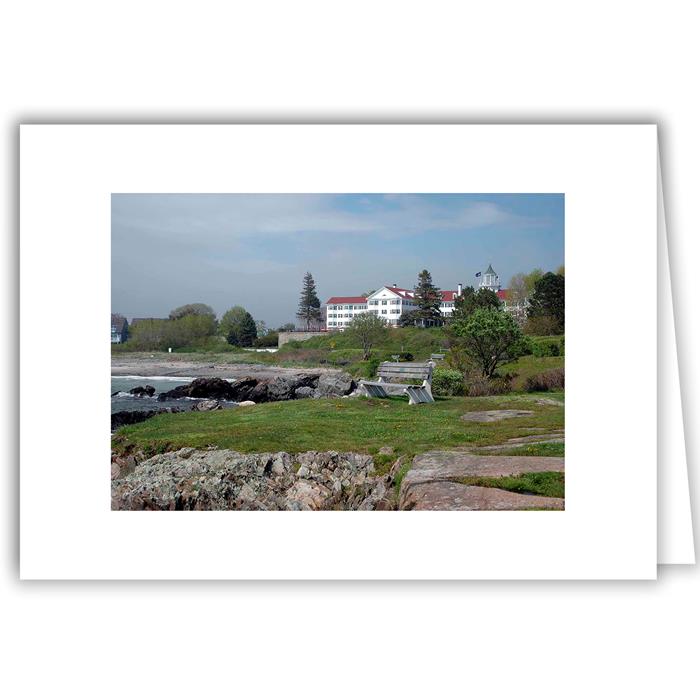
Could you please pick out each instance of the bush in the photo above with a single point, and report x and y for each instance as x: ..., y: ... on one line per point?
x: 546, y: 349
x: 478, y: 385
x: 269, y: 340
x: 546, y: 381
x: 371, y: 367
x: 448, y: 382
x: 542, y: 325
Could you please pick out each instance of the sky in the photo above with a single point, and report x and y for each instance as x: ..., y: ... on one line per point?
x: 253, y: 249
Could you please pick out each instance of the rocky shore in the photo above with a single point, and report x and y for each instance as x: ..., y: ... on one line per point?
x: 192, y: 479
x: 216, y: 393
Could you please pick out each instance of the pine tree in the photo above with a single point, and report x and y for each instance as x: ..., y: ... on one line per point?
x: 427, y: 298
x: 309, y: 303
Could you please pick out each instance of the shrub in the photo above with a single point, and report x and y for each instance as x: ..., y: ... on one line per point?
x: 542, y: 325
x: 269, y: 340
x: 546, y: 349
x: 478, y: 385
x: 371, y: 367
x: 448, y: 382
x: 546, y: 381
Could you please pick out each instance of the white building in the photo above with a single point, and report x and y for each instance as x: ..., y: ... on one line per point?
x: 391, y: 301
x: 388, y: 302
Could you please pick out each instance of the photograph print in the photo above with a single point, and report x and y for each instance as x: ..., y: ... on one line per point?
x: 329, y: 352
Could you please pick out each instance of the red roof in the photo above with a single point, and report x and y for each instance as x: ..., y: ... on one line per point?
x: 448, y: 295
x: 347, y: 300
x: 403, y: 293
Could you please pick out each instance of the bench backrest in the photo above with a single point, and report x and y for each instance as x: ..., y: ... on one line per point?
x: 394, y: 371
x: 437, y: 356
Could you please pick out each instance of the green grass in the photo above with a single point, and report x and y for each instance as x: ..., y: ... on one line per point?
x: 528, y: 366
x: 357, y: 424
x: 545, y: 449
x: 537, y: 483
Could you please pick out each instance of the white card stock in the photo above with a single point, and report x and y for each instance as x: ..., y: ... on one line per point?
x: 627, y: 499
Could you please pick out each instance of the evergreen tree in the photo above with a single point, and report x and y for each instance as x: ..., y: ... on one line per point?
x: 309, y: 304
x: 471, y: 300
x: 548, y: 299
x: 427, y: 299
x: 238, y: 326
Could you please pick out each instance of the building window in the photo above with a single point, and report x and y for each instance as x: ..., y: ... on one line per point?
x: 383, y: 311
x: 383, y: 302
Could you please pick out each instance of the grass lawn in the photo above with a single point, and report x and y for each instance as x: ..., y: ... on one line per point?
x: 538, y: 483
x: 529, y: 365
x: 544, y: 449
x: 357, y: 424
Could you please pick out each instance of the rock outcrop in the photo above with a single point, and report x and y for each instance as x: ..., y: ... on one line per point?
x: 207, y: 405
x: 192, y: 479
x: 261, y: 390
x: 121, y: 418
x: 433, y: 482
x: 202, y: 388
x: 141, y: 391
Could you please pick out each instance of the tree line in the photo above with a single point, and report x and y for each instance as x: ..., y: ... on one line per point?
x: 195, y: 325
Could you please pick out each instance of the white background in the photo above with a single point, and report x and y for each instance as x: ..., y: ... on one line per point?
x: 508, y: 62
x: 609, y: 177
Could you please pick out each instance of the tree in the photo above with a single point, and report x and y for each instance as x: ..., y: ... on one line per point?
x: 489, y: 338
x: 261, y: 328
x: 286, y: 327
x: 518, y: 291
x: 548, y: 299
x: 560, y: 270
x: 238, y: 327
x: 192, y: 310
x: 368, y: 329
x: 469, y: 301
x: 530, y: 280
x: 309, y: 304
x: 427, y: 298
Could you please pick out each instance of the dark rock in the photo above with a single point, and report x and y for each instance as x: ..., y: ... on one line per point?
x: 121, y: 418
x: 303, y: 392
x: 147, y: 390
x: 202, y: 388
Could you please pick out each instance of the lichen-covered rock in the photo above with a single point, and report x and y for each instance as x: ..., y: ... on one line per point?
x: 207, y: 405
x: 192, y: 479
x: 331, y: 385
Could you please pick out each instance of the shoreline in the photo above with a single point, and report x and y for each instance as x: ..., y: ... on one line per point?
x: 157, y: 367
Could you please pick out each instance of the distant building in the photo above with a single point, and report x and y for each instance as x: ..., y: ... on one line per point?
x: 120, y: 328
x: 390, y: 301
x: 489, y: 280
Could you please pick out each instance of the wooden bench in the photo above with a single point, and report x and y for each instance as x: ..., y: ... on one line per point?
x: 437, y: 356
x: 388, y: 371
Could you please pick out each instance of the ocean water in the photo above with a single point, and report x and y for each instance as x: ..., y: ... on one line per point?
x: 124, y: 401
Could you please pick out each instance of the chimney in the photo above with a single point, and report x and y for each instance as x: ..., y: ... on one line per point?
x: 459, y: 289
x: 394, y: 285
